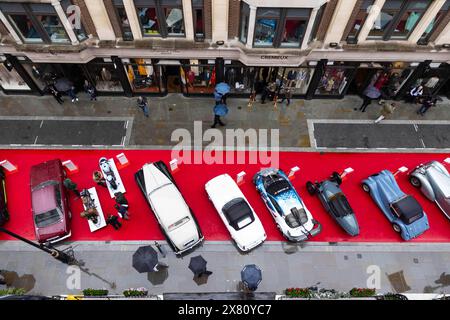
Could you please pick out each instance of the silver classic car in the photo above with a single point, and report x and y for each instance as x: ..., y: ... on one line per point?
x: 433, y: 180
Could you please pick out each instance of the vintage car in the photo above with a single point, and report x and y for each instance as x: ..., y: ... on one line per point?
x: 239, y: 218
x: 403, y: 211
x: 49, y: 202
x: 335, y: 202
x: 433, y: 180
x: 175, y: 218
x: 288, y: 210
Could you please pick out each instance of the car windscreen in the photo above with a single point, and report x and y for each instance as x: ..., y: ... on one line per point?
x: 178, y: 223
x: 45, y: 184
x: 275, y: 187
x: 340, y: 205
x: 48, y: 218
x: 407, y: 209
x: 238, y: 213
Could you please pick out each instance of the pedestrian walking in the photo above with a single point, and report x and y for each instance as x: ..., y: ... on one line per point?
x: 55, y: 93
x: 114, y: 221
x: 415, y: 94
x: 388, y: 108
x: 90, y: 89
x: 269, y: 92
x: 143, y: 104
x: 287, y: 95
x: 219, y: 111
x: 90, y: 214
x: 427, y: 103
x: 72, y: 186
x: 371, y: 93
x: 120, y: 198
x: 72, y: 95
x: 99, y: 179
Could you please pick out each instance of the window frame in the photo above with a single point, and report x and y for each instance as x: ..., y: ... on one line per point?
x: 425, y: 40
x: 354, y: 38
x: 285, y: 19
x: 247, y: 16
x: 277, y: 28
x: 194, y: 21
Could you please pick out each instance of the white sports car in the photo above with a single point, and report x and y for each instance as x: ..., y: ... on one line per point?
x: 175, y: 218
x: 236, y: 213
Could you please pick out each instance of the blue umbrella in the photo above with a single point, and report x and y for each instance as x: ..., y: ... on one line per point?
x: 222, y: 88
x: 251, y: 276
x: 220, y: 110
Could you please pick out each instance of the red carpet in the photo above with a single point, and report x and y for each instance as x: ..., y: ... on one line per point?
x: 192, y: 178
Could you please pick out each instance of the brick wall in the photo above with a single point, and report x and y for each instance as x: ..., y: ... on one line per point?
x: 207, y: 12
x: 234, y: 13
x: 349, y: 26
x: 86, y: 19
x: 326, y: 19
x: 440, y: 27
x: 113, y: 18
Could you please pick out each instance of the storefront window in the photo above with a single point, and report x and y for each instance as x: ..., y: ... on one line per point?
x: 297, y: 79
x: 127, y: 34
x: 151, y: 12
x: 199, y: 23
x: 359, y: 20
x: 294, y: 27
x: 77, y: 27
x: 333, y: 81
x: 148, y: 18
x: 26, y: 29
x: 10, y: 79
x: 245, y: 14
x: 105, y: 76
x: 174, y: 21
x: 240, y: 78
x: 42, y: 74
x: 198, y: 76
x: 143, y: 77
x: 436, y: 21
x: 316, y: 24
x: 398, y: 19
x: 266, y: 27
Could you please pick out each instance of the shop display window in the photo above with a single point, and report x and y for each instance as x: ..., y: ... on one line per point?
x: 142, y: 75
x: 105, y: 75
x: 25, y: 26
x: 297, y: 79
x: 294, y: 27
x: 397, y: 19
x: 266, y: 27
x: 333, y: 81
x: 240, y: 78
x: 10, y: 79
x: 198, y: 76
x: 42, y: 74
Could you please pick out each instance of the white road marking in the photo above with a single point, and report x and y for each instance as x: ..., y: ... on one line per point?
x: 35, y: 140
x: 423, y: 143
x: 416, y: 127
x: 123, y: 140
x: 126, y: 125
x: 42, y: 122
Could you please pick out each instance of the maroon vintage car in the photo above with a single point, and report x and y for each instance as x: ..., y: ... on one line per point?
x: 49, y: 202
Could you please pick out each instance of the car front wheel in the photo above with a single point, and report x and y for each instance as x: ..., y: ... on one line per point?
x: 365, y: 187
x: 415, y: 182
x: 396, y: 228
x: 311, y: 188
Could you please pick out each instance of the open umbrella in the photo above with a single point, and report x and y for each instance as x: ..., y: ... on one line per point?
x: 251, y: 276
x: 220, y: 110
x: 197, y: 265
x: 145, y: 259
x: 222, y: 88
x: 63, y: 84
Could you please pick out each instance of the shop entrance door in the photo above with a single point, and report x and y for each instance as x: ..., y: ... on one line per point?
x: 75, y: 73
x: 362, y: 79
x: 172, y: 78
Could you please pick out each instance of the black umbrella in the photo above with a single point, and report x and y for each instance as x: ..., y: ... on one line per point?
x: 251, y: 276
x: 145, y: 259
x: 197, y: 265
x: 63, y: 84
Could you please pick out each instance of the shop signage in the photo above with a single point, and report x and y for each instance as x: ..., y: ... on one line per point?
x: 274, y: 57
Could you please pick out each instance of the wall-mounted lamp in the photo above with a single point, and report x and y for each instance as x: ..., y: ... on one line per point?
x: 220, y: 42
x: 446, y: 45
x: 333, y: 44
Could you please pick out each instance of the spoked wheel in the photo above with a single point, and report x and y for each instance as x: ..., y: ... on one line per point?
x: 335, y: 176
x: 311, y: 188
x: 365, y: 187
x: 415, y: 182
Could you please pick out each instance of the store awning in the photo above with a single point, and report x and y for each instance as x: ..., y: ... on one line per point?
x: 169, y: 62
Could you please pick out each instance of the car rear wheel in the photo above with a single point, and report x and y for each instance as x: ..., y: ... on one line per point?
x: 365, y: 187
x: 396, y: 228
x: 335, y: 176
x: 415, y: 182
x: 311, y: 188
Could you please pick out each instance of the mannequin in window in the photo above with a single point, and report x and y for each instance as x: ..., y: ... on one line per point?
x: 105, y: 74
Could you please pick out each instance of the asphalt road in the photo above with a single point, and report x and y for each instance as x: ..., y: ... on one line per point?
x: 382, y: 135
x: 86, y: 132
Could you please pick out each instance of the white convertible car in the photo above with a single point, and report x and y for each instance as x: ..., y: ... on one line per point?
x: 236, y: 213
x: 175, y: 218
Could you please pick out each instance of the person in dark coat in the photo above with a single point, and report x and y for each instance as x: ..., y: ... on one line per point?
x: 72, y: 186
x: 142, y: 103
x: 90, y: 89
x: 114, y: 221
x: 287, y: 95
x: 122, y: 211
x: 427, y: 103
x: 98, y: 178
x: 269, y: 91
x: 371, y: 93
x: 120, y: 198
x: 55, y: 93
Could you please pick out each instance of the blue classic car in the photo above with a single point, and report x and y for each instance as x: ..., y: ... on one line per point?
x: 292, y: 217
x: 403, y: 211
x: 335, y: 202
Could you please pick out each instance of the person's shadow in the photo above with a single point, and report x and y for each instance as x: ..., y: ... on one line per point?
x: 12, y: 280
x: 443, y: 281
